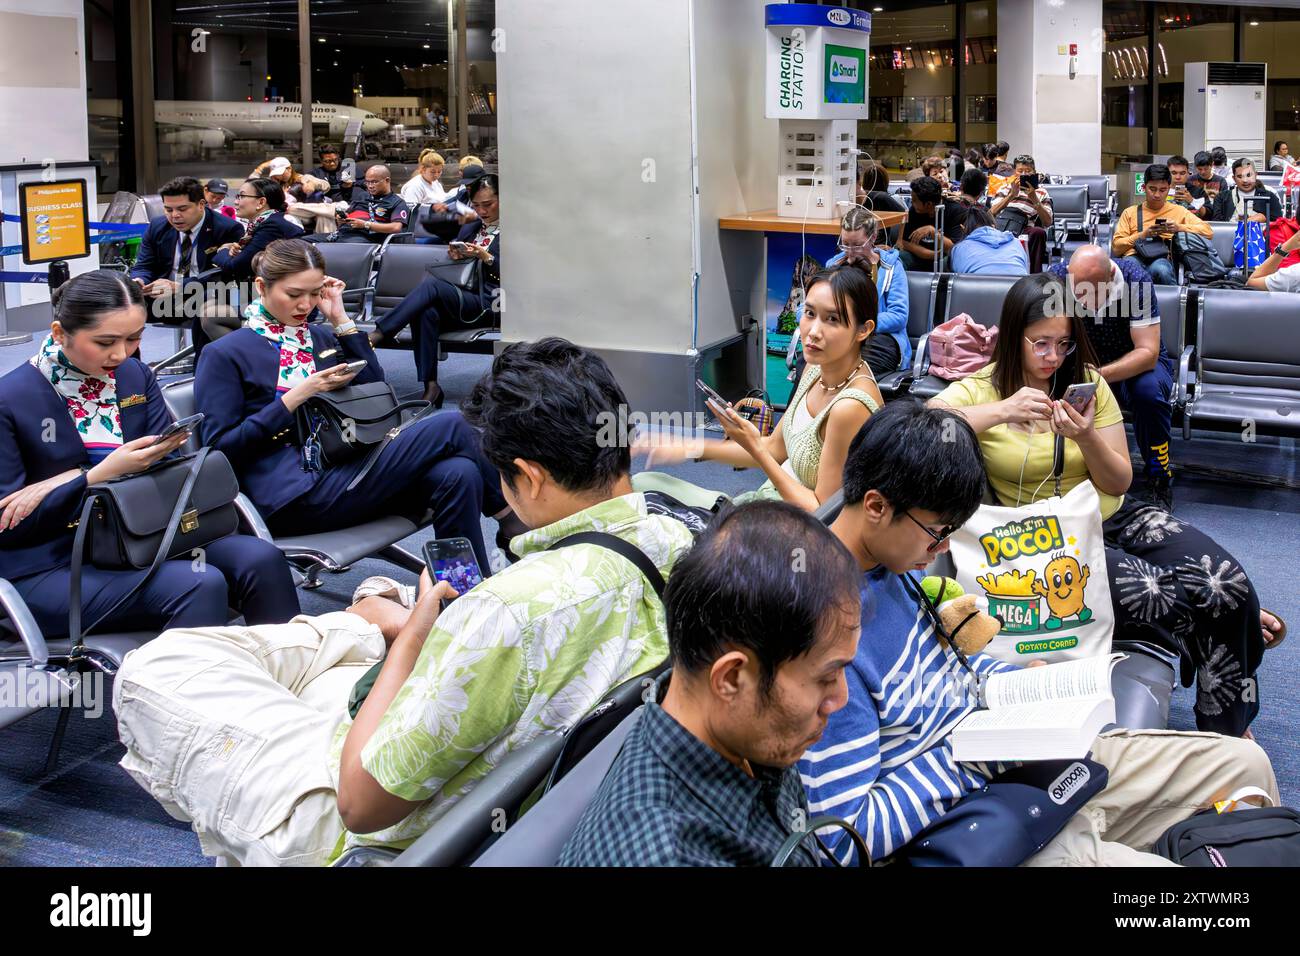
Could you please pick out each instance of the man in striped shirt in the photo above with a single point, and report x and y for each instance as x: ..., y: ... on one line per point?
x: 885, y: 762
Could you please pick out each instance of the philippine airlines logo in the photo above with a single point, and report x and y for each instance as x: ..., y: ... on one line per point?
x: 841, y: 18
x: 844, y: 69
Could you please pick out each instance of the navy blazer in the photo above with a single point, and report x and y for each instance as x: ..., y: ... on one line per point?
x: 29, y: 406
x: 239, y: 268
x: 158, y: 248
x: 491, y: 274
x: 234, y: 386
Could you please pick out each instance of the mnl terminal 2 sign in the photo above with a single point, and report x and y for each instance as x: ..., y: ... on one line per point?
x: 54, y: 221
x: 817, y: 61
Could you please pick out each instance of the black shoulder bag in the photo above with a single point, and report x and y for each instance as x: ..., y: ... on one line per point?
x: 138, y: 521
x: 1149, y: 250
x: 340, y: 426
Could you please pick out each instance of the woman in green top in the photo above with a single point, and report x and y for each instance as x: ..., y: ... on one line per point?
x: 804, y: 456
x: 1176, y: 592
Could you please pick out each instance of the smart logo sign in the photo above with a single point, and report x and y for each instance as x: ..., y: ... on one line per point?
x: 846, y: 74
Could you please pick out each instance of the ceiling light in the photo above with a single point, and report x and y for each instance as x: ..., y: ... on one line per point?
x: 1254, y: 23
x: 320, y: 39
x: 1169, y: 19
x: 877, y: 9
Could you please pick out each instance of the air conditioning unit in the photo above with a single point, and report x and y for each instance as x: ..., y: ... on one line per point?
x: 1226, y: 104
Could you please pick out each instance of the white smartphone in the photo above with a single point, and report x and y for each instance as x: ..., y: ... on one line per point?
x: 710, y: 393
x: 1079, y: 395
x: 356, y: 366
x: 462, y: 246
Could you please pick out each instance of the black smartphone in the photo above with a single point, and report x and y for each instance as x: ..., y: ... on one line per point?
x: 452, y: 560
x: 1029, y: 180
x: 184, y: 425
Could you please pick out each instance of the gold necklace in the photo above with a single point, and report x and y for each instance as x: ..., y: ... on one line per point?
x: 852, y: 376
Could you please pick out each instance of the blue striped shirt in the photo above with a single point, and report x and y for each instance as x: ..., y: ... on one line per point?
x: 885, y: 762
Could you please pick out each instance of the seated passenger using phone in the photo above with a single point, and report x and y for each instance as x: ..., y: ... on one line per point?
x: 1176, y: 593
x: 437, y: 302
x: 803, y: 458
x: 529, y: 651
x: 83, y: 412
x: 1147, y: 230
x: 251, y: 383
x: 1023, y: 207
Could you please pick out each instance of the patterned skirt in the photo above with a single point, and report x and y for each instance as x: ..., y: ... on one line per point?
x: 1174, y: 587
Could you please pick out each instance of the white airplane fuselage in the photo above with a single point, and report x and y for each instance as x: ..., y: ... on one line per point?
x: 243, y: 120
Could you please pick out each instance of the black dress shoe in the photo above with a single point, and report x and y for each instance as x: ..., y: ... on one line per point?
x: 1160, y: 492
x: 433, y: 393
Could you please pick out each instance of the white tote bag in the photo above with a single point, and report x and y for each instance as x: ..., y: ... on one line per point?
x: 1042, y: 568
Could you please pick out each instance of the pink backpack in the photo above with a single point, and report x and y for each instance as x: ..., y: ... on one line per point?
x: 960, y: 347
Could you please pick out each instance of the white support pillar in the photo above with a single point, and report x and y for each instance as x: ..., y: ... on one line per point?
x: 1049, y: 82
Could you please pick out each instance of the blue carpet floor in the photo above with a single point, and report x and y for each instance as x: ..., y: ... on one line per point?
x: 90, y: 813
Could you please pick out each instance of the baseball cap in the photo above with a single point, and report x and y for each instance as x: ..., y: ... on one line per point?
x: 471, y: 172
x: 218, y: 186
x: 277, y: 166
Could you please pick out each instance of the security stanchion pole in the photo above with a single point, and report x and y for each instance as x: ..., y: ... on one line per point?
x: 938, y: 236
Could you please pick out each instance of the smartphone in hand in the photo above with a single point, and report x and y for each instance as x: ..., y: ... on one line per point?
x: 711, y: 394
x: 184, y: 425
x: 452, y: 560
x: 1078, y: 396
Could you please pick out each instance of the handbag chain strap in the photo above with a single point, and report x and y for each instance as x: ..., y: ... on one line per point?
x: 75, y: 631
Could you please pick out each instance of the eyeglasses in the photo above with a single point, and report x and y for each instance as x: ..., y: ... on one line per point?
x: 858, y: 248
x: 247, y: 196
x: 1043, y: 348
x: 944, y: 533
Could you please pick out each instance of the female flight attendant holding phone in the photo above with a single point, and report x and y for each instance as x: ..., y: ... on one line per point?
x: 251, y: 383
x: 79, y: 413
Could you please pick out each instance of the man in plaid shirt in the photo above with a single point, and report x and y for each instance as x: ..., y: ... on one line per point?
x: 763, y: 618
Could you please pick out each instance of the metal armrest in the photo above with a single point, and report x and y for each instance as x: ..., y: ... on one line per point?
x: 20, y: 616
x: 921, y: 358
x: 1183, y: 390
x: 249, y: 516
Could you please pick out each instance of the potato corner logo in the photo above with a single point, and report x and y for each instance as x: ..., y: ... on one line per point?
x: 1016, y: 596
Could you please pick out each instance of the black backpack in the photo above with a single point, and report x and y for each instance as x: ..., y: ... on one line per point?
x: 1255, y: 836
x: 1201, y: 260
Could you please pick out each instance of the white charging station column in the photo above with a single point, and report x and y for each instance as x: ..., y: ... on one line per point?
x: 817, y: 89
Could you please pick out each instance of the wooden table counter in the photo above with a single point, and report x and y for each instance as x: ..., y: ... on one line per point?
x: 768, y: 221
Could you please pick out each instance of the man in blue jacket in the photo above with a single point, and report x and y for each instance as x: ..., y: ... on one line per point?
x: 888, y: 349
x: 179, y: 245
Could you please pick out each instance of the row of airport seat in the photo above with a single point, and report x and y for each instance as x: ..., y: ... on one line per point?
x: 1238, y: 351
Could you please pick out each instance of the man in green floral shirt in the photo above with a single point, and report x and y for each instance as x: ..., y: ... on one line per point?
x: 245, y: 733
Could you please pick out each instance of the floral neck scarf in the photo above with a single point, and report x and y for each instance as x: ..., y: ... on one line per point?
x: 91, y: 401
x: 293, y: 341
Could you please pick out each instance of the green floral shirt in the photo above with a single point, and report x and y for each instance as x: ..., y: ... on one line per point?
x: 529, y: 651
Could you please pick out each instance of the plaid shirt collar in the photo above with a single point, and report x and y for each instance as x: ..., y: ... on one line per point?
x: 764, y: 808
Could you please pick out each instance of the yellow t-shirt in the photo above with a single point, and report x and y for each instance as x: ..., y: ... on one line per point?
x: 1007, y: 449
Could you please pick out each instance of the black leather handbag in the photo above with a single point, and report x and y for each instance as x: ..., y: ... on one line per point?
x: 350, y: 421
x: 467, y: 276
x: 138, y: 521
x: 356, y: 420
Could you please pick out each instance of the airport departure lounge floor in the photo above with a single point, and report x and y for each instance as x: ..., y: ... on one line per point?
x: 90, y: 813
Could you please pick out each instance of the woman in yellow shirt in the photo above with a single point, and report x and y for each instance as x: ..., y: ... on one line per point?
x: 1176, y: 592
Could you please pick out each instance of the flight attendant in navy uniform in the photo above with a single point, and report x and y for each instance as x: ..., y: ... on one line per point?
x: 261, y: 203
x: 251, y: 383
x: 82, y: 412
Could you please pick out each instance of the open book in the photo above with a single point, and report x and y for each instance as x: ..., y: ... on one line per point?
x: 1040, y: 713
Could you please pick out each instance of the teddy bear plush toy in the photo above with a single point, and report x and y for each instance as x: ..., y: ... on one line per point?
x: 961, y: 614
